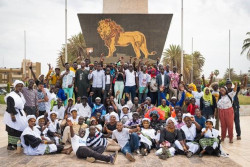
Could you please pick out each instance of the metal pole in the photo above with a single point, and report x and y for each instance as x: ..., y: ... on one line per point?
x: 24, y: 68
x: 192, y: 74
x: 182, y: 38
x: 66, y: 45
x: 229, y: 72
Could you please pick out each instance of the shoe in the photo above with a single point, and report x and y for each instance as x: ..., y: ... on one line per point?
x: 163, y: 157
x: 143, y: 152
x: 113, y: 158
x: 10, y: 148
x: 238, y: 138
x: 231, y: 141
x: 218, y: 154
x: 200, y: 155
x: 130, y: 157
x: 222, y: 139
x: 90, y: 159
x: 189, y: 154
x: 137, y: 151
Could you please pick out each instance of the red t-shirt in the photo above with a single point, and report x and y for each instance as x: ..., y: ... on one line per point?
x: 191, y: 108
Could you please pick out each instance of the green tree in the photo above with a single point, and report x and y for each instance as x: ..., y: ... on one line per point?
x: 76, y: 48
x: 246, y: 46
x: 172, y: 56
x: 233, y: 75
x: 216, y: 73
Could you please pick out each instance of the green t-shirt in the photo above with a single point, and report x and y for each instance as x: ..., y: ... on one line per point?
x: 166, y: 109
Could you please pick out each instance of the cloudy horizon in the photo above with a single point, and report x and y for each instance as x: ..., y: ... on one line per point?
x: 208, y: 22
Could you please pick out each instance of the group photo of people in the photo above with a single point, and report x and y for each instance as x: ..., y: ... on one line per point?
x: 135, y: 107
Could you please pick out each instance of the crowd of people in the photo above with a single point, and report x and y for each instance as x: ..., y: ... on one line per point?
x: 132, y: 107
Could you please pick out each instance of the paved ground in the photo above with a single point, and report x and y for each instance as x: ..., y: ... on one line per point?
x: 239, y: 156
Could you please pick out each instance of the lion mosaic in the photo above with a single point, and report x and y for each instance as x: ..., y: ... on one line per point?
x: 114, y: 35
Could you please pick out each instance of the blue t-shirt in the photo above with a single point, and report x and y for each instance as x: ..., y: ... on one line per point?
x: 201, y: 121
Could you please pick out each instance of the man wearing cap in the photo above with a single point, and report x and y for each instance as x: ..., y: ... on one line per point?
x: 97, y: 107
x: 68, y: 78
x: 14, y: 116
x: 84, y: 109
x: 134, y: 122
x: 82, y: 86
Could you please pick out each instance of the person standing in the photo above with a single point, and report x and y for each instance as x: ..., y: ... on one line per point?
x: 208, y: 104
x: 226, y: 112
x: 144, y: 80
x: 82, y: 86
x: 153, y: 86
x: 14, y: 116
x: 162, y: 81
x: 98, y: 85
x: 68, y: 78
x: 131, y: 82
x: 42, y: 99
x: 30, y: 96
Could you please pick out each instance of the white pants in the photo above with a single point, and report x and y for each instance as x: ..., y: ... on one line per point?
x: 192, y: 147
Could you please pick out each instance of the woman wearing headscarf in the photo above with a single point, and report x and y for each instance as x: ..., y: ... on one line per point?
x: 189, y: 132
x: 210, y: 142
x: 170, y: 137
x: 153, y: 87
x: 14, y: 116
x: 208, y: 104
x: 125, y: 114
x: 226, y: 112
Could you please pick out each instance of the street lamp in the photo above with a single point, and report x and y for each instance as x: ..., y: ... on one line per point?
x: 182, y: 38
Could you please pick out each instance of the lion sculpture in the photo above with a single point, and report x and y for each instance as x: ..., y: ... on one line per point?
x: 114, y: 35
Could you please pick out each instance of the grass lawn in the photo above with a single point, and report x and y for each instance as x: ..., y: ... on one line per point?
x: 2, y: 99
x: 244, y: 100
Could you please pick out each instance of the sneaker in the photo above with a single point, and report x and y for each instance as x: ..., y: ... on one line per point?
x: 238, y: 138
x: 130, y: 157
x: 163, y: 157
x: 189, y: 154
x: 218, y: 154
x: 144, y: 152
x: 231, y: 141
x: 90, y: 159
x: 113, y: 158
x: 10, y: 148
x: 137, y: 151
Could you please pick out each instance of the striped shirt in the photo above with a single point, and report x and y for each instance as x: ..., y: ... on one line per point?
x: 97, y: 140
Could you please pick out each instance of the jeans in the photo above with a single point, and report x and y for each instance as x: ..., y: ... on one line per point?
x: 132, y: 144
x: 96, y: 152
x: 237, y: 120
x: 130, y: 90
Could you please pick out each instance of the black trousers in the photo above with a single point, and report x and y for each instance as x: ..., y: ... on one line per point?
x: 41, y: 113
x: 154, y: 97
x: 96, y: 152
x: 237, y: 120
x: 97, y: 93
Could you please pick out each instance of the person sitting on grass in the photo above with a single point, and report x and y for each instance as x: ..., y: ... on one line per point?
x: 128, y: 140
x: 210, y: 143
x: 79, y: 147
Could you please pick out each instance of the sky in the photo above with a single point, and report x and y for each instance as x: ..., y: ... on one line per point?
x: 206, y: 21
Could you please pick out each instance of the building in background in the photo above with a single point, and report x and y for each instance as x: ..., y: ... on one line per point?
x: 9, y: 75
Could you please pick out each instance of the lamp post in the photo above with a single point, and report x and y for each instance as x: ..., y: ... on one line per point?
x: 66, y: 45
x: 229, y: 70
x: 192, y: 74
x: 182, y: 38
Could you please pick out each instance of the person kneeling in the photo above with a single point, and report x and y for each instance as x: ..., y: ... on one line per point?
x: 33, y: 143
x: 81, y: 150
x: 211, y: 142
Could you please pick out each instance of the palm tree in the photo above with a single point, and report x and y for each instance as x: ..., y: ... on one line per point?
x: 172, y: 56
x: 76, y: 48
x: 233, y: 75
x: 216, y: 73
x: 246, y: 46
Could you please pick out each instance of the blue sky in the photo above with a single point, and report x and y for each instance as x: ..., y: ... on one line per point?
x: 206, y: 21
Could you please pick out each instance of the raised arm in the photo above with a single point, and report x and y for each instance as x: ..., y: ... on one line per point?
x: 72, y: 133
x: 32, y: 72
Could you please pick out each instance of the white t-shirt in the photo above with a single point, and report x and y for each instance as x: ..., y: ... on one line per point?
x: 162, y: 79
x: 214, y: 133
x: 77, y: 142
x: 51, y: 96
x: 122, y: 137
x: 130, y: 78
x: 59, y: 111
x: 67, y: 79
x: 197, y: 96
x: 83, y: 111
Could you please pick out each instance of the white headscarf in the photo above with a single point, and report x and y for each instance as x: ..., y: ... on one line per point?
x: 186, y: 115
x: 30, y: 117
x: 146, y: 119
x: 171, y: 119
x: 17, y: 82
x: 114, y: 114
x: 53, y: 112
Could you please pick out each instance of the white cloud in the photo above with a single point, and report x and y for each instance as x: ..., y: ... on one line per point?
x: 206, y: 21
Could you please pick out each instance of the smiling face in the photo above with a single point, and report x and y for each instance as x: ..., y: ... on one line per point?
x: 223, y: 91
x: 53, y: 117
x: 119, y: 126
x: 145, y: 124
x: 19, y: 87
x: 41, y: 122
x: 207, y: 91
x: 32, y: 122
x: 170, y: 124
x: 188, y: 121
x: 81, y: 133
x: 112, y: 119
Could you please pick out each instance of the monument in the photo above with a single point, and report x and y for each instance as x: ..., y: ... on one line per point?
x: 125, y: 29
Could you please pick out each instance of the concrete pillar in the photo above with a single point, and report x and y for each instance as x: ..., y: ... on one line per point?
x: 125, y: 6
